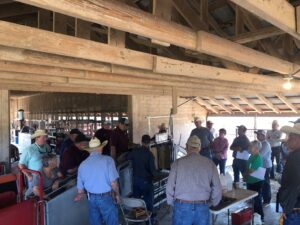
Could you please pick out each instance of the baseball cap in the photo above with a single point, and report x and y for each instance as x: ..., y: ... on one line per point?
x: 297, y: 121
x: 209, y: 122
x: 146, y: 139
x: 242, y: 127
x: 262, y: 132
x: 80, y: 138
x: 123, y: 121
x: 194, y: 142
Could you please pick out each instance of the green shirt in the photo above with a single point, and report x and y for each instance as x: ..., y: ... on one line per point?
x: 254, y: 162
x: 32, y: 156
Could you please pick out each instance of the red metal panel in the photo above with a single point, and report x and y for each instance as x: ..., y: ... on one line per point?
x: 24, y: 213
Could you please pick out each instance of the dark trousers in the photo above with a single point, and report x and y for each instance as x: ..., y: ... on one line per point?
x: 239, y: 166
x: 258, y: 207
x: 276, y: 155
x: 143, y: 188
x: 266, y: 188
x: 221, y: 163
x: 206, y: 152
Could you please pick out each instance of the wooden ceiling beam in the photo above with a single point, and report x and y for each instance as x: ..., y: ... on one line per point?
x: 220, y: 104
x: 287, y: 102
x: 253, y: 106
x: 207, y: 105
x: 235, y: 104
x: 268, y: 103
x: 49, y: 42
x: 259, y: 34
x: 112, y: 13
x: 280, y: 13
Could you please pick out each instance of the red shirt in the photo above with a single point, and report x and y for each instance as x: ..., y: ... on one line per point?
x: 219, y: 148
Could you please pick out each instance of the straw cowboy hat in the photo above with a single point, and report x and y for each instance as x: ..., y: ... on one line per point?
x: 95, y: 144
x: 39, y: 133
x: 294, y: 130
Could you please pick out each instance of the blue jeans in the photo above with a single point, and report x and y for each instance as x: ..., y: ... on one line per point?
x: 190, y: 214
x: 292, y: 219
x: 102, y: 209
x: 143, y: 188
x: 266, y: 188
x: 221, y: 163
x: 276, y: 155
x: 239, y: 166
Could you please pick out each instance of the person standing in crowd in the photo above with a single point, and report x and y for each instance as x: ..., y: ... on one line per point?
x: 143, y: 172
x: 209, y: 126
x: 265, y: 153
x: 289, y: 192
x: 69, y: 141
x: 50, y: 174
x: 204, y: 135
x: 104, y: 134
x: 31, y: 158
x: 193, y: 185
x: 240, y: 147
x: 74, y: 155
x: 219, y: 150
x: 98, y: 177
x: 119, y: 139
x: 254, y: 163
x: 274, y: 138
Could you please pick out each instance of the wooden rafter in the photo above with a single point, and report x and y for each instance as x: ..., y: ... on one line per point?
x: 280, y: 13
x: 268, y: 103
x: 287, y: 102
x: 253, y: 106
x: 112, y: 14
x: 220, y: 104
x: 235, y: 104
x: 207, y: 105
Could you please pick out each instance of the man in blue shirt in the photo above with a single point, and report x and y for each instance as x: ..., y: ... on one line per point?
x: 143, y: 172
x: 205, y: 137
x: 32, y: 156
x: 98, y: 176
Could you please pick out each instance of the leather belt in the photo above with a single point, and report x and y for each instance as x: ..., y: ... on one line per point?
x: 296, y: 210
x: 192, y: 202
x: 100, y: 194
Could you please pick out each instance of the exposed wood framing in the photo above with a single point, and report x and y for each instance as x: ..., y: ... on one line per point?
x: 253, y: 106
x: 235, y: 104
x: 280, y: 13
x: 16, y: 9
x: 48, y: 42
x: 112, y: 13
x: 4, y: 126
x: 268, y: 103
x: 286, y: 101
x: 220, y: 104
x: 174, y: 100
x: 207, y: 105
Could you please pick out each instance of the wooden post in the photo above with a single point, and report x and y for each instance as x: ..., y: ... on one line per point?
x: 4, y: 127
x: 174, y: 101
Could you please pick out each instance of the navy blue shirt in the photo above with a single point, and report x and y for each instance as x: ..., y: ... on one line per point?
x: 241, y: 141
x: 204, y: 135
x: 66, y: 144
x: 142, y: 163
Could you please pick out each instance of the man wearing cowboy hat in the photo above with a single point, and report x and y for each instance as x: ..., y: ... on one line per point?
x: 98, y: 177
x: 289, y: 193
x: 31, y: 158
x: 104, y: 134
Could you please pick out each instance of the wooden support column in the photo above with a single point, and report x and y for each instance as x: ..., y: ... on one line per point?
x: 174, y: 101
x: 116, y: 38
x: 239, y: 23
x: 298, y: 19
x: 4, y: 127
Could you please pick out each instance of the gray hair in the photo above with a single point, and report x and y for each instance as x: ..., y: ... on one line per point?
x: 256, y: 144
x: 47, y: 158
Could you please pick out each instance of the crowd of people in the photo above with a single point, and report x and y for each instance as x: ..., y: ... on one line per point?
x: 194, y: 181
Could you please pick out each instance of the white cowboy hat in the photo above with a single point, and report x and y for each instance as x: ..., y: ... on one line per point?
x: 95, y: 143
x: 39, y: 133
x: 294, y: 130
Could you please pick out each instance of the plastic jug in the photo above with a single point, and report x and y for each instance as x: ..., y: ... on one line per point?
x: 257, y: 219
x: 229, y: 181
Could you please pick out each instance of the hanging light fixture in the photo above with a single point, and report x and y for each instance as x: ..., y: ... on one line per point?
x: 287, y: 85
